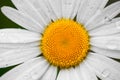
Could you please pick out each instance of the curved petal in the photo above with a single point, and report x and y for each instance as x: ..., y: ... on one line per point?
x: 108, y: 29
x: 69, y: 8
x: 85, y: 73
x: 106, y: 52
x: 107, y: 42
x: 42, y: 9
x: 63, y: 74
x: 106, y: 60
x: 2, y: 50
x: 56, y: 6
x: 22, y: 19
x: 12, y: 57
x: 26, y: 7
x: 68, y: 74
x: 48, y: 9
x: 88, y: 8
x: 105, y: 68
x: 75, y: 8
x: 50, y: 74
x: 79, y: 72
x: 19, y: 45
x: 104, y: 16
x: 18, y: 36
x: 31, y: 70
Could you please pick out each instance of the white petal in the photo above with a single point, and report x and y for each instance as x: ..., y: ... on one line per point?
x: 73, y: 74
x: 114, y: 20
x: 50, y: 74
x: 104, y: 16
x: 107, y: 42
x: 26, y: 7
x: 79, y: 72
x: 88, y: 9
x: 104, y: 67
x: 75, y: 8
x: 57, y: 7
x: 31, y: 70
x: 68, y: 74
x: 85, y: 73
x: 19, y: 45
x: 109, y: 61
x: 22, y: 19
x: 50, y: 10
x: 63, y: 74
x: 2, y: 50
x: 46, y: 9
x: 41, y: 7
x: 106, y: 52
x: 18, y: 36
x: 110, y: 28
x: 68, y: 6
x: 12, y: 57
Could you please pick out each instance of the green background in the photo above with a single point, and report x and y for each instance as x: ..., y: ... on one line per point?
x: 6, y: 23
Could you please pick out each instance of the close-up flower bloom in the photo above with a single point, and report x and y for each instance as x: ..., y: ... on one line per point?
x: 61, y: 40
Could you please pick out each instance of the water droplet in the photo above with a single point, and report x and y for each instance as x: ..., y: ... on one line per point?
x: 35, y: 75
x: 2, y: 33
x: 6, y: 65
x: 68, y: 3
x: 105, y: 73
x: 1, y: 59
x: 26, y: 77
x: 112, y: 44
x: 106, y: 18
x: 118, y: 25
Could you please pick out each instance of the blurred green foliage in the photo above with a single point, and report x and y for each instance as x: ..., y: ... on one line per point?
x: 4, y: 21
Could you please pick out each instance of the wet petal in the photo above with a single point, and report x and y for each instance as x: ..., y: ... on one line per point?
x: 18, y: 36
x: 26, y: 7
x: 85, y: 73
x: 68, y: 74
x: 22, y: 19
x: 108, y: 29
x: 31, y: 70
x: 105, y: 68
x: 104, y: 16
x: 69, y: 8
x: 12, y: 57
x: 88, y: 9
x: 106, y: 52
x: 50, y: 74
x: 107, y: 42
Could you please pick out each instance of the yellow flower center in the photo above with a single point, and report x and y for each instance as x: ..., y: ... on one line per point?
x: 65, y: 43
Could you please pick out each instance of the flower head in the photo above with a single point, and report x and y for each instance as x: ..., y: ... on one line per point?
x: 62, y: 40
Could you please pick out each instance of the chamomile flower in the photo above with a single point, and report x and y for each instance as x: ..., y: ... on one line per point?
x: 61, y: 40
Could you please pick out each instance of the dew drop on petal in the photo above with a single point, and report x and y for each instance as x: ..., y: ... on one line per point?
x: 118, y: 25
x: 68, y: 3
x: 34, y: 75
x: 26, y: 77
x: 1, y: 59
x: 3, y: 34
x: 105, y: 73
x: 6, y: 65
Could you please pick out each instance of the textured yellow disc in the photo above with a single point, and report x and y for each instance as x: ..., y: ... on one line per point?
x: 65, y: 43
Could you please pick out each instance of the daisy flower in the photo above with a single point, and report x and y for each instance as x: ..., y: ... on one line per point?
x: 61, y: 40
